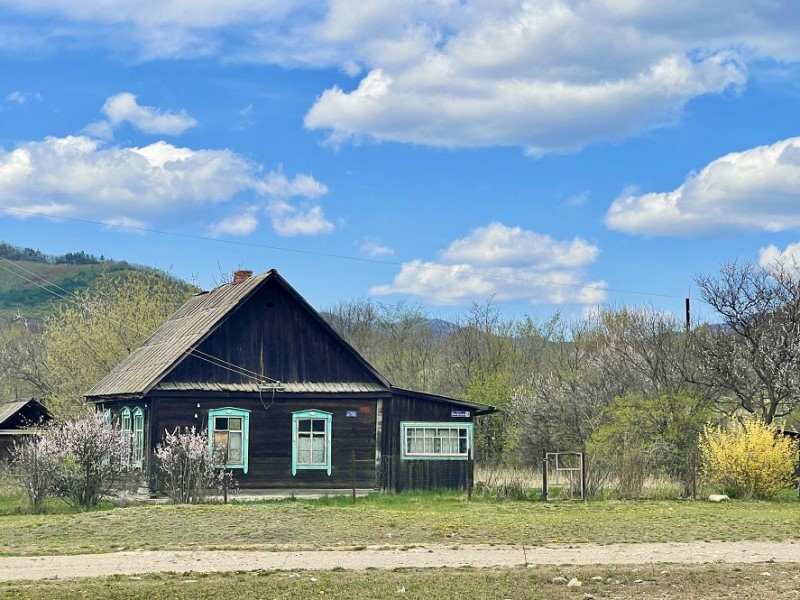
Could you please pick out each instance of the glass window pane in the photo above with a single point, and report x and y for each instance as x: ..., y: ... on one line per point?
x: 220, y: 423
x: 303, y: 450
x: 318, y: 450
x: 304, y: 425
x: 318, y: 425
x: 234, y: 424
x: 220, y: 439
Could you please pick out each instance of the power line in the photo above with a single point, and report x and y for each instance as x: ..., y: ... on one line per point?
x: 343, y: 256
x: 72, y: 298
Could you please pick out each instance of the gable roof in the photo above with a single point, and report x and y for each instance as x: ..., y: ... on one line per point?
x: 11, y: 409
x: 191, y: 324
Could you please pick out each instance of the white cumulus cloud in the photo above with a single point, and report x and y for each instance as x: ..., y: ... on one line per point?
x: 289, y: 220
x: 124, y: 108
x: 754, y: 190
x: 240, y: 224
x: 82, y: 177
x: 508, y: 263
x: 544, y: 75
x: 772, y: 256
x: 497, y: 245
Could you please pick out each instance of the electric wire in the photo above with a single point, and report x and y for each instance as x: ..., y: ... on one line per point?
x: 442, y: 269
x: 73, y: 299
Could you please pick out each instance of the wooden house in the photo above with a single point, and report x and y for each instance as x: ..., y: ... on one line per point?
x: 17, y: 420
x: 285, y: 397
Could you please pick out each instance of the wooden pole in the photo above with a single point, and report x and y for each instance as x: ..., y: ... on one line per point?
x: 353, y: 472
x: 544, y: 477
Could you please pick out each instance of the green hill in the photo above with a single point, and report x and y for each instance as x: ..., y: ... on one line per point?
x: 25, y: 273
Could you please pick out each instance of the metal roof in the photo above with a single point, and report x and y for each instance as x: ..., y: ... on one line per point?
x: 293, y: 388
x: 175, y: 339
x: 480, y: 409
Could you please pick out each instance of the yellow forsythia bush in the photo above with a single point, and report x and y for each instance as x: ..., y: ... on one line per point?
x: 751, y: 459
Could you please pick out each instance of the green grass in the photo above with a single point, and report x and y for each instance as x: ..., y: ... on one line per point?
x: 645, y: 583
x: 387, y: 520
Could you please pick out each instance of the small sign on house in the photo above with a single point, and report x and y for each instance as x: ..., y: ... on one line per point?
x: 460, y: 413
x: 351, y: 414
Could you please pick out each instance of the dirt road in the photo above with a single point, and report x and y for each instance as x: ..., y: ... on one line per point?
x: 133, y: 563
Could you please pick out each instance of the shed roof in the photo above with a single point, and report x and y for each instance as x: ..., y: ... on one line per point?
x: 480, y: 409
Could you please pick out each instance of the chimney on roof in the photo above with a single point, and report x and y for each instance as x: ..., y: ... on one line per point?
x: 240, y: 276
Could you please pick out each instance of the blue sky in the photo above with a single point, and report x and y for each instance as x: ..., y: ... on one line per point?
x: 551, y: 154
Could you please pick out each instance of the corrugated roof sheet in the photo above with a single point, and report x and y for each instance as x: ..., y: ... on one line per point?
x: 189, y: 325
x: 295, y: 387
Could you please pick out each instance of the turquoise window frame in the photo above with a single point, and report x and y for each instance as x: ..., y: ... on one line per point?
x: 228, y: 412
x: 126, y: 431
x: 137, y: 427
x: 125, y: 421
x: 406, y: 425
x: 320, y: 415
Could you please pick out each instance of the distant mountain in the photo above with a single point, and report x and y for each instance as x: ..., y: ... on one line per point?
x: 25, y: 273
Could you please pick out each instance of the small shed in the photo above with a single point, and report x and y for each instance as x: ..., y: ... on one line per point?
x: 17, y: 420
x: 288, y: 400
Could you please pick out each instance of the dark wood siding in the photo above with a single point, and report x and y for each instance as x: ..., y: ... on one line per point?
x: 401, y: 475
x: 270, y: 438
x: 274, y: 335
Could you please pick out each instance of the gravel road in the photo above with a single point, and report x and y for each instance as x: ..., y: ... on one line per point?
x: 133, y: 563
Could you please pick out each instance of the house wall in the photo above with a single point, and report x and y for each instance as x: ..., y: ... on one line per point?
x: 275, y: 334
x: 398, y: 474
x: 270, y: 437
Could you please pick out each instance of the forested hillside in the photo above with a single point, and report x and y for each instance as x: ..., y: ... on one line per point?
x: 26, y: 276
x: 66, y: 320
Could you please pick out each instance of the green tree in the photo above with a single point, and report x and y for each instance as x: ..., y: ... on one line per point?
x: 496, y: 434
x: 87, y: 336
x: 643, y: 436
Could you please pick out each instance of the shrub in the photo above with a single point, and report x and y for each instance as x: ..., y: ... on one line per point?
x: 750, y: 460
x: 34, y: 463
x: 78, y: 461
x: 187, y: 467
x: 89, y: 453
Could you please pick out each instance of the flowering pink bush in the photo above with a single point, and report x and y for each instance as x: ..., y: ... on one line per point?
x: 78, y: 461
x: 187, y: 467
x: 90, y: 452
x: 34, y: 463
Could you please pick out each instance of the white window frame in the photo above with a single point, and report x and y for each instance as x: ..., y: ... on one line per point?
x: 408, y: 428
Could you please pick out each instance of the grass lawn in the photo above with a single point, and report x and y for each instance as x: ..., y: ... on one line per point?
x: 757, y: 582
x: 393, y: 520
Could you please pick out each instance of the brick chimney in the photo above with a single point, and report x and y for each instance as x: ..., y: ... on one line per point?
x: 240, y: 276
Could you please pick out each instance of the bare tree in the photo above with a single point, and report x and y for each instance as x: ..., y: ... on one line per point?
x: 23, y: 371
x: 754, y: 355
